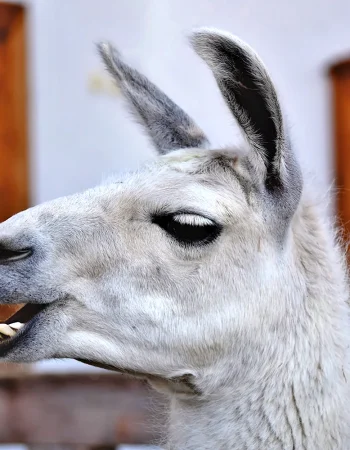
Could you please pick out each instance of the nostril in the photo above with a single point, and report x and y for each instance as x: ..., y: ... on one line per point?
x: 9, y: 255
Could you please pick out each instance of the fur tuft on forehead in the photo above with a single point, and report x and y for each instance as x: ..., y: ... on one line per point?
x: 203, y: 161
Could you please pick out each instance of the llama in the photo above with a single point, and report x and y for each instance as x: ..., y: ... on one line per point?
x: 208, y: 272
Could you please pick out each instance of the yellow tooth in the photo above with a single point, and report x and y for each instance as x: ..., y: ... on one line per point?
x: 16, y: 325
x: 6, y: 330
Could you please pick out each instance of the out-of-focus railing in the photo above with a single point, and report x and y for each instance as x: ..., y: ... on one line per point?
x: 78, y: 411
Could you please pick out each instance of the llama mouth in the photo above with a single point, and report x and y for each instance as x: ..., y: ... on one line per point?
x: 19, y: 320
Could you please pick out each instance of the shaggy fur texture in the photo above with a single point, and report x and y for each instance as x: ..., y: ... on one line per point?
x: 247, y: 329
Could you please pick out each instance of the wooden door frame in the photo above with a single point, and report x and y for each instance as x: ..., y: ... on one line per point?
x: 340, y: 79
x: 14, y: 154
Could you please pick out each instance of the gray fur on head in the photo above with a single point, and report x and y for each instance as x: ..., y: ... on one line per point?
x: 208, y: 272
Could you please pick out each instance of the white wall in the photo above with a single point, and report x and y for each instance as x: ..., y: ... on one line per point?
x: 78, y: 137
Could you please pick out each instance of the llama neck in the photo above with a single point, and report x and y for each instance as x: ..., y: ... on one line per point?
x: 300, y: 401
x: 288, y: 385
x: 306, y: 413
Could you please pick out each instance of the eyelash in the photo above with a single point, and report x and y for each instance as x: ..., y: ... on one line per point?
x: 201, y: 231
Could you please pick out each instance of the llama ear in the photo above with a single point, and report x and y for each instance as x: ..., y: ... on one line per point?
x: 249, y: 93
x: 169, y: 127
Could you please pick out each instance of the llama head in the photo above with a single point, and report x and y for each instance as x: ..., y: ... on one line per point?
x: 169, y: 270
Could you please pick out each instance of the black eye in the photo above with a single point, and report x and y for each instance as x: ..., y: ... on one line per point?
x: 187, y: 228
x: 7, y: 255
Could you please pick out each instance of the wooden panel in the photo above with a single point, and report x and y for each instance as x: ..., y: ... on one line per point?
x: 340, y: 75
x: 69, y: 447
x: 13, y: 119
x: 7, y: 13
x: 13, y: 107
x: 89, y: 411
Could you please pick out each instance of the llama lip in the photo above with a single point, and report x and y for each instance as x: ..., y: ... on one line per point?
x: 13, y: 324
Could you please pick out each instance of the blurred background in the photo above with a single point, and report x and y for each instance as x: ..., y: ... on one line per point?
x: 63, y: 128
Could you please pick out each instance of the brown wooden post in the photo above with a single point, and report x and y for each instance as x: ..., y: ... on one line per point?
x: 340, y: 77
x: 14, y: 192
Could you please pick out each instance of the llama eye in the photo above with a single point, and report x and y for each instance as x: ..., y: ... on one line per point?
x: 188, y: 228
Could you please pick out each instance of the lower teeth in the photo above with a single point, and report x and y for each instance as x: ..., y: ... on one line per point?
x: 9, y: 330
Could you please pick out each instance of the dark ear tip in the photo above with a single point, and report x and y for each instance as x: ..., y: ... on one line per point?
x: 201, y: 39
x: 112, y: 59
x: 209, y: 43
x: 108, y: 52
x: 207, y: 36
